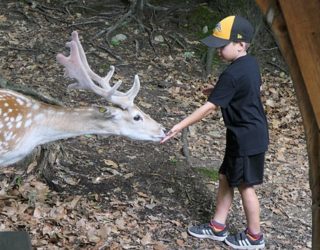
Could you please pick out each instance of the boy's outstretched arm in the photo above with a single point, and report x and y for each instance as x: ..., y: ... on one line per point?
x: 196, y: 116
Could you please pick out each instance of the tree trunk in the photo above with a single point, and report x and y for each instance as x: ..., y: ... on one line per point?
x: 209, y: 59
x: 296, y: 30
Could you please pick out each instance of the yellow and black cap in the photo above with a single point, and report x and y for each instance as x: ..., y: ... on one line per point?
x: 230, y: 29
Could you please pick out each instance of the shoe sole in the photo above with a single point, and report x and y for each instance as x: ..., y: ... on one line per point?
x: 251, y: 247
x: 211, y: 237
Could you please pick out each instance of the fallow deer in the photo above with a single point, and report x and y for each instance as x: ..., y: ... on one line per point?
x: 26, y: 123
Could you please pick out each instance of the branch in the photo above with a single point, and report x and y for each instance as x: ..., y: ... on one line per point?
x: 120, y: 21
x: 185, y: 147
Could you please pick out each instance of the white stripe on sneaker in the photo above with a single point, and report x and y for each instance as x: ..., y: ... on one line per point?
x: 244, y: 242
x: 248, y: 242
x: 208, y: 232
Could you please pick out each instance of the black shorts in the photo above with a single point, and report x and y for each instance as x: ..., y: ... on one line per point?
x: 243, y: 169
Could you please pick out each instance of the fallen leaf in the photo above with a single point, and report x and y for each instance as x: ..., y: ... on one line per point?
x: 146, y: 240
x: 111, y: 163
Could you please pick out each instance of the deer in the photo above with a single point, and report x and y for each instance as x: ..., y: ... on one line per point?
x: 26, y: 123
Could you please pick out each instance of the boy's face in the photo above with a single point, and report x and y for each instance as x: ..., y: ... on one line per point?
x: 232, y: 51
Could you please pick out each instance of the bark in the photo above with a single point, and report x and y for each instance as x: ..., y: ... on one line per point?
x: 301, y: 56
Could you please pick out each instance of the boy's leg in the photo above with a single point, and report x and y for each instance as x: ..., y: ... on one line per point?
x: 251, y: 208
x: 224, y: 200
x: 251, y: 238
x: 250, y: 173
x: 216, y: 229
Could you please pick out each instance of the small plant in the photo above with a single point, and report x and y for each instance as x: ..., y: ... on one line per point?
x: 173, y: 160
x: 213, y: 174
x: 188, y: 54
x: 115, y: 42
x: 18, y: 181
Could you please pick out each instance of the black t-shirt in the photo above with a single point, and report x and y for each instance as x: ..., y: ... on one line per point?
x: 237, y: 92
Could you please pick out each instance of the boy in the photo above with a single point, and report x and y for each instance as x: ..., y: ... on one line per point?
x: 237, y: 93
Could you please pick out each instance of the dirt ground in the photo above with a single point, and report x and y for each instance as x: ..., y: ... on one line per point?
x: 113, y: 193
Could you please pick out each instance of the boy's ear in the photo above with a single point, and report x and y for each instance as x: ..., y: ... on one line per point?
x: 244, y: 45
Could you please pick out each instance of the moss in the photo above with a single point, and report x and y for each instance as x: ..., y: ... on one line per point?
x: 213, y: 174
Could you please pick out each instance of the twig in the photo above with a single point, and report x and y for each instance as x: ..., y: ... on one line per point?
x: 41, y: 7
x: 69, y: 2
x: 86, y: 22
x: 61, y: 20
x: 22, y: 49
x: 161, y: 177
x: 137, y: 47
x: 279, y: 67
x: 181, y: 37
x: 209, y: 59
x: 177, y: 41
x: 120, y: 21
x: 188, y: 196
x: 268, y: 49
x: 18, y: 10
x: 152, y: 31
x: 169, y: 45
x: 86, y: 8
x: 156, y: 8
x: 108, y: 51
x: 185, y: 148
x: 7, y: 197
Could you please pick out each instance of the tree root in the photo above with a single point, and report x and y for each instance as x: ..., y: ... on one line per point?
x: 185, y: 147
x: 119, y: 23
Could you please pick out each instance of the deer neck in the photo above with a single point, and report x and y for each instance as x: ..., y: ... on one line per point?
x: 61, y: 123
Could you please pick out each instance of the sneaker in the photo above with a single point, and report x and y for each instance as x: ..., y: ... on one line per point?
x: 242, y: 241
x: 205, y: 231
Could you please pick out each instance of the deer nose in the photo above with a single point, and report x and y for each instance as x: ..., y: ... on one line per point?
x: 163, y: 129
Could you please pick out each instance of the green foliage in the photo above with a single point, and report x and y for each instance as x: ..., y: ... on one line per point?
x: 239, y: 7
x: 105, y: 67
x: 201, y: 22
x: 173, y: 160
x: 115, y: 42
x: 188, y: 54
x: 208, y: 15
x: 213, y: 174
x: 200, y: 17
x: 18, y: 181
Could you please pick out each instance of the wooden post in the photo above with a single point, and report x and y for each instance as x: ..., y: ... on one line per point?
x: 296, y: 26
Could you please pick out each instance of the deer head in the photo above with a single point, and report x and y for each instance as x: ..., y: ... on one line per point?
x: 131, y: 121
x: 26, y: 123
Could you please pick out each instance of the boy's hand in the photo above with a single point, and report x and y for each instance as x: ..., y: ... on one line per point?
x: 207, y: 90
x: 175, y: 130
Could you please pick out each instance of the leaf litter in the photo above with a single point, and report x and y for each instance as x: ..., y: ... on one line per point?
x: 118, y: 194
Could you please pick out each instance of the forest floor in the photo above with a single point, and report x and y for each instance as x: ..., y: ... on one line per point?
x: 113, y: 193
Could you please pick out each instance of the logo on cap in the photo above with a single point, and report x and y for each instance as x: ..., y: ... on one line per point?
x: 218, y: 27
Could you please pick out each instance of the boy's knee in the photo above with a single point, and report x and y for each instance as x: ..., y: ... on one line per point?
x: 246, y: 188
x: 222, y: 177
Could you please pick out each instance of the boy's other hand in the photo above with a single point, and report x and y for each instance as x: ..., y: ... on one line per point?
x: 207, y: 90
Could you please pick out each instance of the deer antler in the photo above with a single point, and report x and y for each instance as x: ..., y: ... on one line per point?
x: 77, y: 67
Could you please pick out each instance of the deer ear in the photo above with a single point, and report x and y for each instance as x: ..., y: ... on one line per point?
x: 104, y: 112
x: 114, y: 113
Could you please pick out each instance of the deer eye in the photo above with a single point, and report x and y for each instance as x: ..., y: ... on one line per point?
x: 137, y: 118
